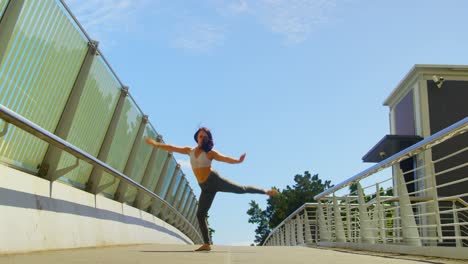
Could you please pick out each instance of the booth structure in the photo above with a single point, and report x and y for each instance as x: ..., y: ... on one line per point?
x: 427, y: 100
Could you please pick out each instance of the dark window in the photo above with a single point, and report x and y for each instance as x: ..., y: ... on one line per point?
x: 404, y: 116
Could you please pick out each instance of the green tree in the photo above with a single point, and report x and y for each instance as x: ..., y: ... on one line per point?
x: 353, y: 188
x: 211, y: 231
x: 259, y: 217
x: 290, y: 199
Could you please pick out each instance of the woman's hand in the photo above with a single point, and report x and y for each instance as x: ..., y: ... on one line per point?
x: 242, y: 157
x: 220, y: 157
x: 168, y: 148
x: 151, y: 141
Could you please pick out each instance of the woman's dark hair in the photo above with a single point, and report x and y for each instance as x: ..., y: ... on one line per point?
x: 207, y: 143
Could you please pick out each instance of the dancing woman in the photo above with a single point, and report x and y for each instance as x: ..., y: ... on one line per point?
x: 209, y: 180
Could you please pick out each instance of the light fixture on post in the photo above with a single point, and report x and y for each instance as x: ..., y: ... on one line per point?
x: 438, y: 80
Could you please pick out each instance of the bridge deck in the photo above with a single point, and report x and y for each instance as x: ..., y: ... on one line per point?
x: 175, y: 254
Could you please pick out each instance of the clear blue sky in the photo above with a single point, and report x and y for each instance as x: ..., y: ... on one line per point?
x: 297, y: 84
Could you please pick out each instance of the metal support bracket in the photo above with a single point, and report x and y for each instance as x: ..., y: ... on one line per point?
x: 93, y: 47
x: 5, y: 129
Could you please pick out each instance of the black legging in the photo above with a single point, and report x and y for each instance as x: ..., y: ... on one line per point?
x: 210, y: 187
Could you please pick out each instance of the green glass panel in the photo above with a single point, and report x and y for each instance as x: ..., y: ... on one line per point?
x: 161, y: 158
x: 193, y: 207
x: 168, y: 178
x: 93, y: 115
x: 187, y: 202
x: 180, y: 194
x: 180, y: 190
x: 183, y: 201
x: 37, y: 72
x: 171, y: 192
x: 122, y: 143
x: 3, y: 4
x: 141, y: 162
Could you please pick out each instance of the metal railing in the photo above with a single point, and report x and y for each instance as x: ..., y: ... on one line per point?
x: 419, y: 202
x: 64, y: 97
x: 26, y: 125
x: 299, y: 228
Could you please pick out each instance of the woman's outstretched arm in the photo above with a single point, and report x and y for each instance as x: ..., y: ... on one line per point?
x: 220, y: 157
x: 167, y: 147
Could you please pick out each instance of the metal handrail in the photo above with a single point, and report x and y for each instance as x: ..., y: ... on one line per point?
x: 303, y: 207
x: 34, y: 129
x: 457, y: 128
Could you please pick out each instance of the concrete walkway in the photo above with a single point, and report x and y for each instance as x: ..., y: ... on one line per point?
x: 176, y: 254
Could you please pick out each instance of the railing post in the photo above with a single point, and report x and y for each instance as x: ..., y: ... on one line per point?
x: 293, y: 231
x: 282, y: 235
x: 431, y: 183
x: 456, y: 225
x: 374, y: 224
x: 288, y: 234
x: 300, y: 229
x: 408, y: 223
x: 122, y: 188
x: 329, y: 220
x: 323, y: 228
x: 348, y: 219
x: 381, y: 218
x: 339, y: 230
x: 96, y: 174
x: 364, y: 221
x: 396, y: 224
x: 308, y: 233
x: 49, y: 166
x: 7, y: 24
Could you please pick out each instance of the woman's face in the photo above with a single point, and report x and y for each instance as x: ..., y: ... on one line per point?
x: 201, y: 135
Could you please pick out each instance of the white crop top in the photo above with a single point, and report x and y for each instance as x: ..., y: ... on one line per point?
x: 201, y: 162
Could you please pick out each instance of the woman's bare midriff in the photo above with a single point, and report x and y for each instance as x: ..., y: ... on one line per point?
x: 202, y: 173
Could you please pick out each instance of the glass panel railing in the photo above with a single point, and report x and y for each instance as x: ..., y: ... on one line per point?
x: 39, y: 67
x: 122, y: 143
x: 3, y: 4
x: 92, y: 118
x: 42, y: 54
